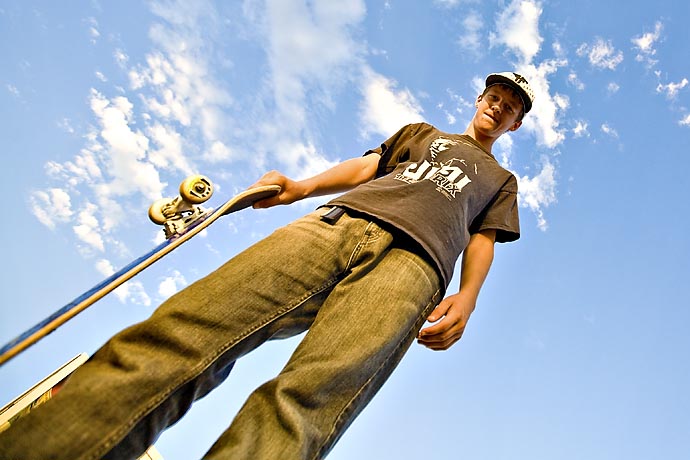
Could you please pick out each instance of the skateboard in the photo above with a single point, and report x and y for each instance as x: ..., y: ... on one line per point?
x: 45, y: 390
x: 182, y: 218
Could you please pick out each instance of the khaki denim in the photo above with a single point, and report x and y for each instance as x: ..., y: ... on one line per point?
x: 358, y: 289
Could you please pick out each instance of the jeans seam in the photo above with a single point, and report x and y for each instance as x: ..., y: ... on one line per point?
x: 334, y: 430
x: 372, y: 233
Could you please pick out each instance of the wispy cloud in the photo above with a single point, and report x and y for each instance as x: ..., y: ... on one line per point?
x: 13, y: 90
x: 517, y: 28
x: 385, y: 108
x: 51, y: 207
x: 685, y: 121
x: 471, y: 36
x: 171, y: 284
x: 612, y: 87
x: 575, y: 81
x: 645, y: 45
x: 94, y: 33
x: 601, y: 54
x: 580, y: 129
x: 609, y: 130
x: 671, y: 89
x: 447, y: 3
x: 539, y: 191
x: 88, y: 228
x: 312, y: 53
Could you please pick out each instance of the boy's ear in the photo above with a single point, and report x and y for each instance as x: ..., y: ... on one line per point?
x: 515, y: 126
x: 479, y: 98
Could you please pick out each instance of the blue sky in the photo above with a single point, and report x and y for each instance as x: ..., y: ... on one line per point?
x: 578, y: 345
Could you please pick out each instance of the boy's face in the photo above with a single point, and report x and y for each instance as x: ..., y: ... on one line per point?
x: 498, y: 111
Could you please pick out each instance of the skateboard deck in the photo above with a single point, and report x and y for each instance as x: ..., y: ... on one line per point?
x: 42, y: 392
x: 189, y: 222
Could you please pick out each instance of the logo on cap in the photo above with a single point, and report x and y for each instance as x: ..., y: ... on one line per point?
x: 519, y: 78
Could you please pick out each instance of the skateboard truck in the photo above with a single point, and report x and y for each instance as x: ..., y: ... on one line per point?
x: 176, y: 214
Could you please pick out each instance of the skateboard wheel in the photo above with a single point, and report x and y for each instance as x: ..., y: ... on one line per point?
x: 196, y: 189
x: 156, y: 211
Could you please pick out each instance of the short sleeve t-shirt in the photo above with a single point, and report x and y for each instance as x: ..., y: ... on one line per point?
x: 438, y: 188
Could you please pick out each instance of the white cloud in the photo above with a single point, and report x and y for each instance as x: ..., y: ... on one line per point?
x: 612, y: 87
x: 385, y: 108
x: 177, y: 83
x: 104, y: 267
x: 447, y: 3
x: 51, y: 206
x: 504, y: 150
x: 169, y: 154
x: 685, y: 121
x: 93, y: 29
x: 171, y: 284
x: 470, y: 39
x: 121, y: 59
x: 645, y: 45
x: 518, y: 29
x: 580, y: 129
x: 88, y: 228
x: 12, y: 90
x: 601, y: 54
x: 456, y: 107
x: 574, y: 80
x: 126, y: 150
x: 66, y: 125
x: 310, y: 49
x: 672, y: 89
x: 609, y: 130
x: 84, y: 168
x: 218, y: 152
x: 133, y: 292
x: 538, y: 192
x: 311, y: 54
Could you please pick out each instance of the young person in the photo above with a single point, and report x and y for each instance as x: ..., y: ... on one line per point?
x: 361, y: 274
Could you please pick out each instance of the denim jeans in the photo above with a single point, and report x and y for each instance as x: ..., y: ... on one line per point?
x: 357, y: 287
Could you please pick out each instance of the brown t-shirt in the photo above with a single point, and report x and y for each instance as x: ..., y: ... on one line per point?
x: 438, y: 188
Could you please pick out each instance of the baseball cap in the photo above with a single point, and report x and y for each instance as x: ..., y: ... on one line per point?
x: 515, y: 81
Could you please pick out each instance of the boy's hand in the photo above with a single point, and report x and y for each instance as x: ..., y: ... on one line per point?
x: 453, y: 312
x: 290, y: 190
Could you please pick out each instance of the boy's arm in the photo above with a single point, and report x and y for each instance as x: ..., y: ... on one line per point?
x: 342, y: 177
x: 454, y: 311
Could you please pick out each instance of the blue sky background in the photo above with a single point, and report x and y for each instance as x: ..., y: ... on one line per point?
x: 578, y: 347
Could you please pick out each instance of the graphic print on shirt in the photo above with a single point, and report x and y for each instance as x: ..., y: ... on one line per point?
x: 449, y: 176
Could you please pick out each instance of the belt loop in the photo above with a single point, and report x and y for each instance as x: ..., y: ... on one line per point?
x: 332, y: 215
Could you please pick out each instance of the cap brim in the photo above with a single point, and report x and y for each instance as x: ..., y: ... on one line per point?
x: 500, y: 79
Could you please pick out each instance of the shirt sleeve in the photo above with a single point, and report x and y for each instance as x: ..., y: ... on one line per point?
x: 501, y: 214
x: 394, y: 150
